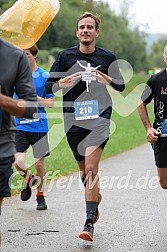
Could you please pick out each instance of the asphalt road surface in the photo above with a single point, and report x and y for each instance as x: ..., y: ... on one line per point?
x: 133, y: 211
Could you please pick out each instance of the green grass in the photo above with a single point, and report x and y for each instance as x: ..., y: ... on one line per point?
x: 129, y: 133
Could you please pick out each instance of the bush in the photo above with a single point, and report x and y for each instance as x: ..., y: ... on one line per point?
x: 54, y: 51
x: 43, y: 57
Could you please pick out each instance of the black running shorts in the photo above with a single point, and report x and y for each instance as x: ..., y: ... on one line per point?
x: 38, y: 141
x: 6, y: 172
x: 160, y: 152
x: 82, y: 138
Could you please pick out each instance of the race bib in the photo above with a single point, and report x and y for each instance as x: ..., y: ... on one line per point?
x: 87, y: 76
x: 86, y: 110
x: 164, y: 127
x: 25, y: 120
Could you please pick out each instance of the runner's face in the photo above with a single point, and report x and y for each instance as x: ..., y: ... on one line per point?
x: 30, y: 57
x: 86, y: 31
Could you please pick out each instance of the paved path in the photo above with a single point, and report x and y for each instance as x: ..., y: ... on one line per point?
x: 133, y: 212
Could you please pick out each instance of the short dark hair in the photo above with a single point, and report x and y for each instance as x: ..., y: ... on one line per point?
x: 91, y: 15
x: 33, y: 50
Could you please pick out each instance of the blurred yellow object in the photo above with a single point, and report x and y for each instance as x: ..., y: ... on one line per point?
x: 24, y: 23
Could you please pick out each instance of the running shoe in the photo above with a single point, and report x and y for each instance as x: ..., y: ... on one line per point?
x: 87, y: 233
x: 26, y: 192
x: 41, y: 203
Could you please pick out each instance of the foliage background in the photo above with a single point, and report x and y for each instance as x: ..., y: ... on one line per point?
x: 116, y: 33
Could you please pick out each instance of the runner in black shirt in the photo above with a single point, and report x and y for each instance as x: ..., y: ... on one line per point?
x: 156, y: 90
x: 15, y: 74
x: 86, y: 70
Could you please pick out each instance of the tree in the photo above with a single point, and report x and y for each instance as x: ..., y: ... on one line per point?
x: 156, y: 54
x: 116, y: 33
